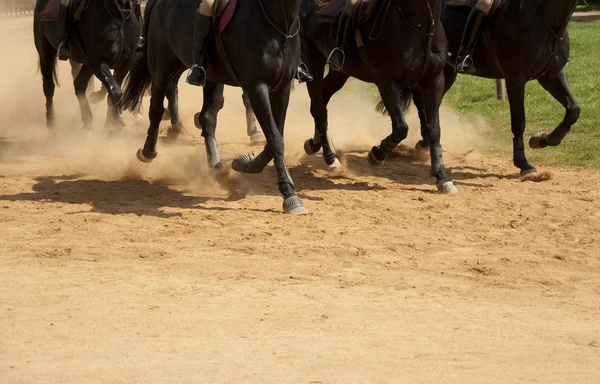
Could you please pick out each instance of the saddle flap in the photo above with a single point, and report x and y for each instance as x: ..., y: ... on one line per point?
x: 224, y: 10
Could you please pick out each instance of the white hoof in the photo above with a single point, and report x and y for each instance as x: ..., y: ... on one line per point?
x: 447, y: 188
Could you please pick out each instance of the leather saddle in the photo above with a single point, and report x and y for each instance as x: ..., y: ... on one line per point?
x: 50, y: 12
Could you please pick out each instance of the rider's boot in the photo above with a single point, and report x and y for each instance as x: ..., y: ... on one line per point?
x: 303, y: 74
x: 64, y: 50
x: 202, y: 31
x: 337, y: 56
x: 464, y: 59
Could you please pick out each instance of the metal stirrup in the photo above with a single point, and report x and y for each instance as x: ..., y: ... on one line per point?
x: 331, y: 54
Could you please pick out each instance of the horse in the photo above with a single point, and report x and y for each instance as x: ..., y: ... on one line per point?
x: 401, y: 48
x: 104, y: 38
x: 524, y: 40
x: 259, y: 51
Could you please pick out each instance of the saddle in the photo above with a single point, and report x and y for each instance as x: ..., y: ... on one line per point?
x: 361, y: 10
x: 50, y: 12
x: 224, y: 10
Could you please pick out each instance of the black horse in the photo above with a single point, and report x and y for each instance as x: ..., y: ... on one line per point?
x: 259, y: 51
x: 402, y: 48
x: 104, y: 38
x: 524, y: 40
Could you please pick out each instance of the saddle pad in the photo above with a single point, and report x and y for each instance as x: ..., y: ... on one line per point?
x: 50, y: 12
x: 224, y: 12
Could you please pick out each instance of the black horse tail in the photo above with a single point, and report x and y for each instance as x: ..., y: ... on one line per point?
x: 405, y: 100
x: 137, y: 83
x: 54, y: 75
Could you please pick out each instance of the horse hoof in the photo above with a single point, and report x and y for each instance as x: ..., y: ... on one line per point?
x: 373, y: 161
x: 258, y: 139
x: 310, y: 147
x: 241, y: 163
x: 197, y: 120
x: 335, y: 168
x: 538, y: 142
x: 144, y: 159
x: 294, y: 206
x: 447, y: 188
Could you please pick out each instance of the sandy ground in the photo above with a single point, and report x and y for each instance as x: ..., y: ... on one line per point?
x: 113, y: 271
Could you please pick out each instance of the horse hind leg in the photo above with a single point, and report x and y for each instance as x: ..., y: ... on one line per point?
x: 157, y: 108
x: 206, y: 120
x: 558, y: 86
x: 515, y: 89
x: 47, y: 55
x: 81, y: 83
x: 433, y: 93
x: 320, y: 91
x: 256, y: 136
x: 173, y: 107
x: 392, y: 97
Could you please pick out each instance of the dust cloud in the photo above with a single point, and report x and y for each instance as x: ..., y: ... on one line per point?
x: 354, y: 125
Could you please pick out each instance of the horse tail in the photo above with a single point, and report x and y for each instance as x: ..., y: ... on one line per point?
x: 137, y: 83
x: 405, y: 100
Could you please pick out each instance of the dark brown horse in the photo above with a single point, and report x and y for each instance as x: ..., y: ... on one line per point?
x: 402, y: 49
x: 258, y: 51
x: 104, y: 38
x: 524, y: 40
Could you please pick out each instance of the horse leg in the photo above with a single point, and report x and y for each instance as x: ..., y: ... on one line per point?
x: 433, y: 92
x: 173, y: 99
x: 392, y: 96
x: 320, y: 91
x: 157, y: 108
x: 114, y: 117
x: 47, y: 67
x: 515, y: 89
x: 558, y: 86
x: 255, y: 135
x: 206, y: 120
x: 81, y: 83
x: 270, y: 110
x: 449, y: 79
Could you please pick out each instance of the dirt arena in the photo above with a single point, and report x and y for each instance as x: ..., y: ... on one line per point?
x: 114, y: 271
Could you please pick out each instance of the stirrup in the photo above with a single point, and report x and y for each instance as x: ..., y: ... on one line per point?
x: 307, y: 73
x: 336, y: 67
x: 200, y: 84
x: 460, y: 67
x: 61, y: 56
